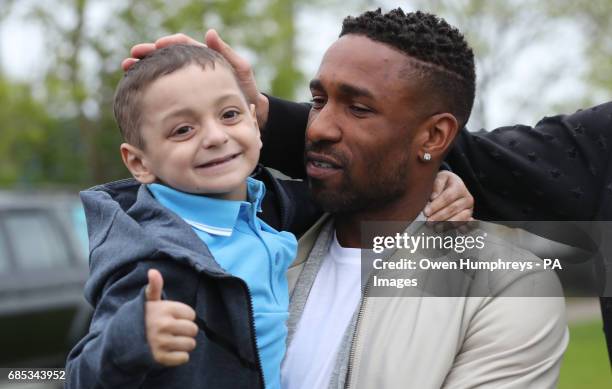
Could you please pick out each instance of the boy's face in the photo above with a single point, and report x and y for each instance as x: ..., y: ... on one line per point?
x: 200, y: 135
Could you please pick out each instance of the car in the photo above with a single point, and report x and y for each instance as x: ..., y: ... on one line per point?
x: 43, y: 268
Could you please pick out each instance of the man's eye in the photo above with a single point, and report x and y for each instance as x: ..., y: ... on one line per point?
x: 359, y: 110
x: 317, y: 102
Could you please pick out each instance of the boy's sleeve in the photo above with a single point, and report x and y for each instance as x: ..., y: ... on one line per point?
x: 115, y: 352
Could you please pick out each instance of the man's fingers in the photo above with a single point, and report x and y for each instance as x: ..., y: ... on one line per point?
x: 175, y: 40
x: 142, y: 49
x: 155, y: 286
x: 214, y: 41
x: 127, y: 63
x: 452, y: 211
x: 439, y: 184
x: 240, y: 65
x: 442, y: 200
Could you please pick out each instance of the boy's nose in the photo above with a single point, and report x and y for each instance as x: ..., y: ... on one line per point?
x: 214, y: 135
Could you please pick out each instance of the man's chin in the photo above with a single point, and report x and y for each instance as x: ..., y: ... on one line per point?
x: 333, y: 201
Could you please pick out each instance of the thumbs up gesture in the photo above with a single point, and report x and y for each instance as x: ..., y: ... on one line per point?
x: 170, y: 326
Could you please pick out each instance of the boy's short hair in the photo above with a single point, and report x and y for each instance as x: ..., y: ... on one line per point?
x: 128, y: 96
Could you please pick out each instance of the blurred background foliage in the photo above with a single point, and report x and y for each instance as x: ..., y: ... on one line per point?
x: 57, y: 128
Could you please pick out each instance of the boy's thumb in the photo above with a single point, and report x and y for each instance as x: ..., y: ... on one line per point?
x: 155, y: 286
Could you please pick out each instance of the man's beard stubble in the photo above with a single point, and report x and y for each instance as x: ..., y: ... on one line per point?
x: 382, y: 185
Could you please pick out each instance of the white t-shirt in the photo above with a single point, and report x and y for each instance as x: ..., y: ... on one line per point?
x: 335, y: 294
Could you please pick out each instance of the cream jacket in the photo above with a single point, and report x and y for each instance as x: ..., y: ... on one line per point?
x: 457, y: 342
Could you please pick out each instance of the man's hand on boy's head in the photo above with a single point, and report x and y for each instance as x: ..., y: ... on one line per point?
x: 242, y: 67
x: 244, y: 74
x: 169, y: 325
x: 450, y: 200
x: 141, y: 50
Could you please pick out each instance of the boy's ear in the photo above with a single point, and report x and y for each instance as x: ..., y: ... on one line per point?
x: 254, y: 116
x: 135, y: 161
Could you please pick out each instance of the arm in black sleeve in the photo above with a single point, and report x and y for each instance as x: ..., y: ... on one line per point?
x: 283, y: 137
x: 557, y: 170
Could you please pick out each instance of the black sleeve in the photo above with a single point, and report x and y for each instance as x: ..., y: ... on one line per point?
x: 557, y: 170
x: 283, y: 137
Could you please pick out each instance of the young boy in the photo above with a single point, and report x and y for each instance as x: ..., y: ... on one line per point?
x: 188, y: 285
x: 192, y: 141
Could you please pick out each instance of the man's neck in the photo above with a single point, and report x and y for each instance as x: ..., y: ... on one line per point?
x: 404, y: 209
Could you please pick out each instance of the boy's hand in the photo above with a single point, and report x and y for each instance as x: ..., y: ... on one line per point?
x: 169, y: 325
x: 241, y: 66
x: 450, y: 200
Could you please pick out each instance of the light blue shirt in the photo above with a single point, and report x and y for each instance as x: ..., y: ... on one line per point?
x: 248, y: 248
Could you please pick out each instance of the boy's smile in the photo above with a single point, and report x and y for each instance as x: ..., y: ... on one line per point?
x: 200, y: 135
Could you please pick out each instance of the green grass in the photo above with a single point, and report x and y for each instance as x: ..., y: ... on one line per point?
x: 585, y: 364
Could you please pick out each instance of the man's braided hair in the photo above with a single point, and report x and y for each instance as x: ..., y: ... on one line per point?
x: 443, y: 57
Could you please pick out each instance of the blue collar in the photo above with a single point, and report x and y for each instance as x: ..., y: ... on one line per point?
x: 214, y: 216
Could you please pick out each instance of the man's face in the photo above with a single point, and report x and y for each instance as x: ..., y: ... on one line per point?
x: 360, y: 152
x: 200, y: 134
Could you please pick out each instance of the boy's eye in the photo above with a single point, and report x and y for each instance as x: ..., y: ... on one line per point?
x: 183, y: 130
x: 230, y: 114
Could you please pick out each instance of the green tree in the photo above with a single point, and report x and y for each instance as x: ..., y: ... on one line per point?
x: 36, y: 148
x: 593, y: 19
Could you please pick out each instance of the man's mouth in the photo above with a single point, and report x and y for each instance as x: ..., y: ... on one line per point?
x: 323, y: 165
x: 319, y: 166
x: 218, y: 161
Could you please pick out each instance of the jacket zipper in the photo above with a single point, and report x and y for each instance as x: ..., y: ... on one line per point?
x: 253, y: 334
x: 353, y: 351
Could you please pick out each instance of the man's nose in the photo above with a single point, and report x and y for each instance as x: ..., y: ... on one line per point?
x: 215, y: 135
x: 323, y: 125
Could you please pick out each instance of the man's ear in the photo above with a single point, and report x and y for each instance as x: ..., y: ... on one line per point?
x: 135, y: 161
x: 254, y: 117
x: 440, y: 133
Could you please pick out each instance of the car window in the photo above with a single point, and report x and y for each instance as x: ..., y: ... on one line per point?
x: 36, y: 240
x: 4, y: 254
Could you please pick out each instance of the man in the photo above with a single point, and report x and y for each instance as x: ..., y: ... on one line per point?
x: 379, y: 128
x: 376, y: 136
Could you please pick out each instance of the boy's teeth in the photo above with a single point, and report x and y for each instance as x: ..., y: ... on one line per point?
x: 322, y: 165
